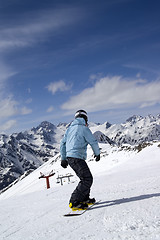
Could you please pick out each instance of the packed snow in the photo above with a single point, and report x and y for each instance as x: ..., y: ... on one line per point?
x: 126, y: 181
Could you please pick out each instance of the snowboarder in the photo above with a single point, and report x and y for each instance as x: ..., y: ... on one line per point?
x: 73, y: 149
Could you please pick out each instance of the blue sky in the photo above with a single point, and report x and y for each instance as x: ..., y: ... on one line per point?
x: 60, y: 56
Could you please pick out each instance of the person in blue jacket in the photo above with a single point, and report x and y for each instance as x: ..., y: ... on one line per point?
x: 73, y: 150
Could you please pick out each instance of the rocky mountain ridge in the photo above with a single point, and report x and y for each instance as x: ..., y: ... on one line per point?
x: 136, y: 130
x: 21, y: 153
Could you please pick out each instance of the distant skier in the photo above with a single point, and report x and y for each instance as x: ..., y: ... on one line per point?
x: 73, y: 149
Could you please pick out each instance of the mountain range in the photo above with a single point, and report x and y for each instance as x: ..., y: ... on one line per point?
x: 21, y: 153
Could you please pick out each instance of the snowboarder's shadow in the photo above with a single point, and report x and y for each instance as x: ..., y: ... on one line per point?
x: 124, y: 200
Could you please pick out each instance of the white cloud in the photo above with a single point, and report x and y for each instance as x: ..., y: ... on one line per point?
x: 29, y: 100
x: 38, y: 25
x: 138, y: 75
x: 7, y: 125
x: 25, y: 111
x: 50, y: 109
x: 147, y: 104
x: 58, y: 86
x: 95, y: 76
x: 115, y: 92
x: 28, y: 90
x: 8, y: 107
x: 5, y: 74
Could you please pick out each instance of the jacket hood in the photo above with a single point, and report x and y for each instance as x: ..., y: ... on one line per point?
x: 78, y: 121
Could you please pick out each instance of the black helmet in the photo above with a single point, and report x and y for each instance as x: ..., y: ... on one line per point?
x: 81, y: 114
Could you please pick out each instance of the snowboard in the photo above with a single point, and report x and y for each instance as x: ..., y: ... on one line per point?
x: 80, y: 212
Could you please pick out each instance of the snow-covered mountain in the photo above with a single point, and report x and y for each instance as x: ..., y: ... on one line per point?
x: 21, y: 153
x: 135, y: 130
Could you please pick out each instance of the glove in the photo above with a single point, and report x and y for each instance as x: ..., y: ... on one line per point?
x: 97, y: 158
x: 64, y: 163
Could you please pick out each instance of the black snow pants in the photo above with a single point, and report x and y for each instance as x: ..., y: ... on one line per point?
x: 81, y: 169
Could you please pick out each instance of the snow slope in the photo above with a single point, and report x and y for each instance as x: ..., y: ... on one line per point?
x: 127, y: 182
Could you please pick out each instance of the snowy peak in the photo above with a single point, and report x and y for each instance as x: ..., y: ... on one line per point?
x: 102, y: 138
x: 62, y: 124
x: 24, y: 152
x: 135, y: 130
x: 45, y: 125
x: 45, y: 131
x: 134, y: 119
x: 145, y: 120
x: 107, y: 124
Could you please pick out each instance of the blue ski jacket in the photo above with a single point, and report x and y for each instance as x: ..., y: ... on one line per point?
x: 75, y: 141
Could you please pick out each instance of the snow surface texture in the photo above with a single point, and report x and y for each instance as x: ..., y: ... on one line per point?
x: 127, y: 182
